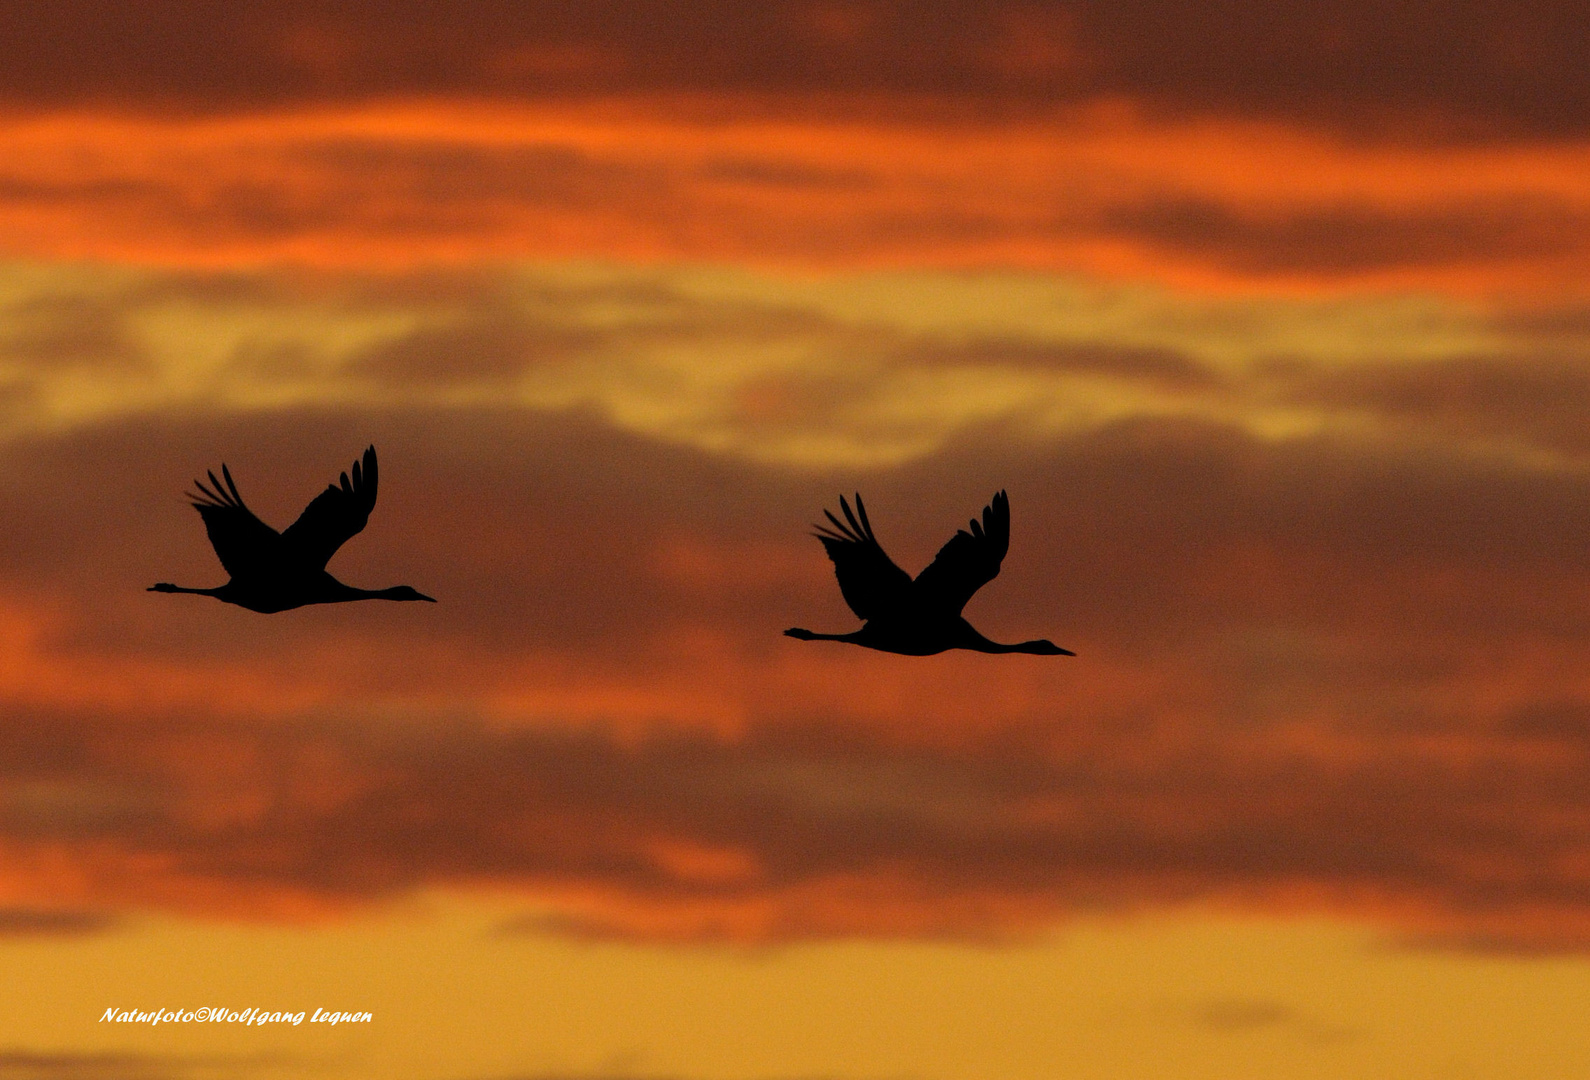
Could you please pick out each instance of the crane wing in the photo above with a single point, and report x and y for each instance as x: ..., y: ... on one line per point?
x: 244, y: 543
x: 968, y: 562
x: 870, y: 581
x: 333, y: 516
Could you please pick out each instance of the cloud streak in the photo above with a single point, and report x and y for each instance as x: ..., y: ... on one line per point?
x: 863, y: 370
x: 1485, y: 68
x: 1209, y: 204
x: 1311, y: 676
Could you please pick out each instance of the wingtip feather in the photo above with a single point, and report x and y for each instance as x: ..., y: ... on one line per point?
x: 216, y: 484
x: 210, y: 496
x: 862, y: 510
x: 851, y: 517
x: 843, y: 532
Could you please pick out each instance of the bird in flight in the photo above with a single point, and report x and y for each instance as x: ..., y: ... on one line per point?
x: 274, y: 571
x: 921, y: 617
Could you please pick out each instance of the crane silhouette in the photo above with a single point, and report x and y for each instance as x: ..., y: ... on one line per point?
x: 274, y: 571
x: 921, y: 617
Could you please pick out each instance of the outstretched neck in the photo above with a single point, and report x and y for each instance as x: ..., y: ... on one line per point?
x: 1040, y: 647
x: 854, y: 637
x: 167, y: 587
x: 396, y: 592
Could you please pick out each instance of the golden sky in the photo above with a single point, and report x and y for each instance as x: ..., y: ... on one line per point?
x: 1272, y: 321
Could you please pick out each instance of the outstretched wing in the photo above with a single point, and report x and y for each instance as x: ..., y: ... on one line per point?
x: 968, y: 562
x: 333, y: 516
x: 244, y: 543
x: 872, y: 585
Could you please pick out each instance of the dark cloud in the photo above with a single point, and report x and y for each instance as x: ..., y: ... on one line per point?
x: 66, y: 330
x: 1315, y: 666
x: 490, y: 347
x: 1166, y: 367
x: 1549, y: 720
x: 1240, y: 1014
x: 16, y: 921
x: 1298, y: 675
x: 1251, y: 1016
x: 811, y: 832
x: 1423, y: 66
x: 570, y: 525
x: 1532, y: 397
x: 490, y: 333
x: 1345, y: 239
x: 468, y: 173
x: 755, y: 173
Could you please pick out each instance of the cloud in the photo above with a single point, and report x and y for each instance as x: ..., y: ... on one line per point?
x: 1155, y: 365
x: 473, y: 352
x: 16, y: 921
x: 806, y: 834
x: 1252, y: 1016
x: 1535, y: 396
x: 1485, y: 67
x: 65, y: 331
x: 1312, y: 675
x: 1322, y: 560
x: 1201, y: 203
x: 1329, y: 240
x: 1235, y: 1014
x: 857, y: 370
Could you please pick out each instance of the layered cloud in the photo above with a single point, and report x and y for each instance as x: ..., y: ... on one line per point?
x: 859, y: 370
x: 1330, y: 666
x: 1485, y: 66
x: 1223, y: 204
x: 1288, y: 402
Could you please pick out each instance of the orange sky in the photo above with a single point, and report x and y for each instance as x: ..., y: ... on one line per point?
x: 1207, y: 203
x: 1272, y: 324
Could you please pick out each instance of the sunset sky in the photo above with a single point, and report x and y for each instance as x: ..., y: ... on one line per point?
x: 1273, y: 320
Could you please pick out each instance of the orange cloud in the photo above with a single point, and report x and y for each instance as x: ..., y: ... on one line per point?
x: 1204, y: 204
x: 1310, y: 676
